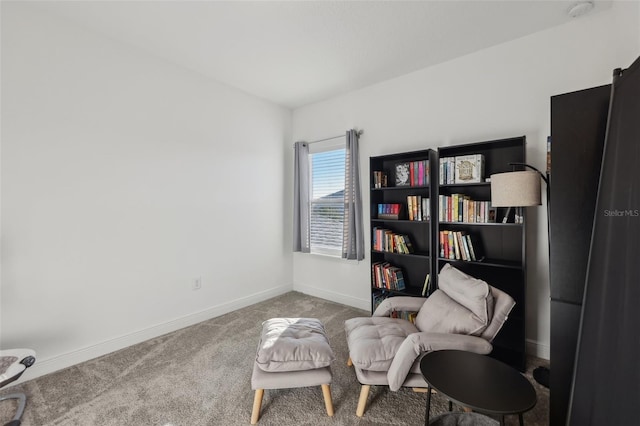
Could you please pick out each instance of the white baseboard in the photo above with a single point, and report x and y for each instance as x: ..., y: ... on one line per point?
x: 46, y: 366
x: 334, y: 297
x: 538, y: 349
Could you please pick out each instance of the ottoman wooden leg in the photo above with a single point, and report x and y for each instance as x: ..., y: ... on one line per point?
x: 362, y: 402
x: 349, y: 362
x: 257, y: 403
x: 326, y: 391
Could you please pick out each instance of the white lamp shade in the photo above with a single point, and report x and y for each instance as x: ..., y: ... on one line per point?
x: 515, y: 189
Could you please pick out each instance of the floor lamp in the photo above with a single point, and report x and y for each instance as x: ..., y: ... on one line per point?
x: 519, y: 189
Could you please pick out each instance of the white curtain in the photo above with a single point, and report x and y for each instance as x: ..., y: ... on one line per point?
x: 301, y: 198
x: 353, y: 234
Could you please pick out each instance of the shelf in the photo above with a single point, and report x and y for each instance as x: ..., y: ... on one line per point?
x: 410, y: 291
x: 480, y: 224
x: 460, y: 185
x: 399, y: 188
x: 400, y: 221
x: 487, y: 262
x: 416, y: 255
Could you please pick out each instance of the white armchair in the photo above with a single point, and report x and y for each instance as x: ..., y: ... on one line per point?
x: 464, y: 313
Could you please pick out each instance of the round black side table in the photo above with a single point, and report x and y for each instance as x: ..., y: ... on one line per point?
x: 477, y: 381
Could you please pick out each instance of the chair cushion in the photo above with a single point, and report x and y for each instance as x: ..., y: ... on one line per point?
x: 373, y: 342
x: 441, y: 314
x: 293, y: 344
x: 503, y: 305
x: 470, y: 292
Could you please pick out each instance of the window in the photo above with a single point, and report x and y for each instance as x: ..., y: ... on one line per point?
x: 326, y: 203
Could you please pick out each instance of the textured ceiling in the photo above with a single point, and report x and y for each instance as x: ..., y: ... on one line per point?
x: 298, y: 52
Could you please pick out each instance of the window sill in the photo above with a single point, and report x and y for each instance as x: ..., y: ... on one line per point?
x: 330, y: 257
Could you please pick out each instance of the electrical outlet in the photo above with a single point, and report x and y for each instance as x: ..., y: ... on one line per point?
x: 197, y: 284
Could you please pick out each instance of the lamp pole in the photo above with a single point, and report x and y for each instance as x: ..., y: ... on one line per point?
x: 541, y: 374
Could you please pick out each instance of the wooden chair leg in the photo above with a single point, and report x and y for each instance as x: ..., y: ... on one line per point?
x: 362, y: 402
x: 326, y: 391
x: 349, y: 362
x: 424, y: 390
x: 257, y: 403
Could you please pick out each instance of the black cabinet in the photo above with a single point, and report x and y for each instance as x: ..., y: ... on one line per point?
x: 605, y: 387
x: 578, y: 124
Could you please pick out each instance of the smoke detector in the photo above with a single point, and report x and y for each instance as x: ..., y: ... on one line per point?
x: 579, y: 9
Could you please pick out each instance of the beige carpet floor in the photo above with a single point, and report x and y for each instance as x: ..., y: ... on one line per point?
x: 200, y: 375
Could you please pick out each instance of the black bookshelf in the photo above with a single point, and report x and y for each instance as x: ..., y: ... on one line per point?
x: 502, y: 245
x: 417, y: 265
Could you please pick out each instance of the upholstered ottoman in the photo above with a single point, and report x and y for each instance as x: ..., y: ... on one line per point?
x: 293, y: 353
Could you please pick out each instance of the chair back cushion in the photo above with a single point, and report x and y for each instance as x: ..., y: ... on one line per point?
x: 503, y: 304
x: 441, y: 314
x: 470, y: 292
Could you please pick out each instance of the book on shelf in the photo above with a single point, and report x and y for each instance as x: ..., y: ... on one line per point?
x: 472, y: 252
x: 461, y: 169
x: 400, y: 244
x: 426, y: 212
x: 425, y: 287
x: 418, y: 208
x: 548, y: 154
x: 447, y: 171
x: 461, y: 208
x: 492, y: 214
x: 388, y: 241
x: 460, y: 254
x: 403, y: 174
x: 459, y: 245
x: 412, y: 173
x: 389, y: 210
x: 397, y: 278
x: 387, y: 276
x: 404, y: 244
x: 465, y: 247
x: 379, y: 179
x: 452, y: 249
x: 469, y: 168
x: 421, y: 177
x: 378, y: 297
x: 456, y: 246
x: 405, y: 315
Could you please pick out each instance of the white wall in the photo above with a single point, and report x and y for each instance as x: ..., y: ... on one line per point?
x: 500, y: 92
x: 124, y: 178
